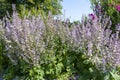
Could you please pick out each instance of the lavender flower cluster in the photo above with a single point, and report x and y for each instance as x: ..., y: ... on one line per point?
x: 98, y: 42
x: 28, y: 38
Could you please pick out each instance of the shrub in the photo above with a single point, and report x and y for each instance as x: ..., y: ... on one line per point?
x: 44, y: 48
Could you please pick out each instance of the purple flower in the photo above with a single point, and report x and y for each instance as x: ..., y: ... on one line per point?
x: 91, y: 16
x: 100, y: 10
x: 97, y: 6
x: 118, y: 8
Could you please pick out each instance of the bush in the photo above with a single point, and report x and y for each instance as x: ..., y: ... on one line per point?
x: 43, y: 48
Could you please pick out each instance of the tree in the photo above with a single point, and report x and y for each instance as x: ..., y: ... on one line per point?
x: 35, y: 6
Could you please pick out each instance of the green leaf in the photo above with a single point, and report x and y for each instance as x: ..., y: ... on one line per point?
x: 115, y: 76
x: 59, y: 67
x: 31, y: 1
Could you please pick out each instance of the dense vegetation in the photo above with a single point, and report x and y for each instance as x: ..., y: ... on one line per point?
x: 35, y: 7
x: 38, y: 47
x: 107, y: 7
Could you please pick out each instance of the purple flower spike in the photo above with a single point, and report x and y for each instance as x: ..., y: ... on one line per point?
x: 91, y: 16
x: 118, y: 8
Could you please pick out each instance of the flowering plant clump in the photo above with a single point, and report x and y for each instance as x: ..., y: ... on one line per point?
x: 99, y: 42
x: 35, y: 45
x: 108, y: 7
x: 40, y: 48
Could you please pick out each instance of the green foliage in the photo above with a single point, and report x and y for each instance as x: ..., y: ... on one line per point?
x: 36, y: 73
x: 52, y: 61
x: 35, y: 6
x: 63, y: 63
x: 114, y: 75
x: 4, y: 6
x: 3, y: 59
x: 19, y: 71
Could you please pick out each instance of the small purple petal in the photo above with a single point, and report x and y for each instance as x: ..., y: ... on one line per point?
x: 91, y: 16
x: 118, y: 8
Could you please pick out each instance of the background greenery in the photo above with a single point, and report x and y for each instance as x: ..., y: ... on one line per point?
x: 35, y: 6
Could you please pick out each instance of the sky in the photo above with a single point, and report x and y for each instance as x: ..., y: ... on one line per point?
x: 74, y: 9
